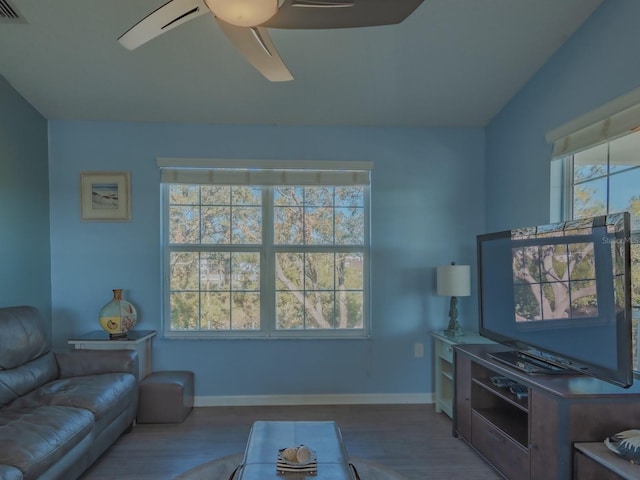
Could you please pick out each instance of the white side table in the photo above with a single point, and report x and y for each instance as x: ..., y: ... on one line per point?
x: 443, y: 366
x: 138, y: 340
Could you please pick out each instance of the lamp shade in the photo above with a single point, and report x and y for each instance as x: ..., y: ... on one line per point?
x: 243, y: 13
x: 454, y: 281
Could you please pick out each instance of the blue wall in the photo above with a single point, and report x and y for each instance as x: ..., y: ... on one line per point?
x: 428, y: 203
x: 427, y: 207
x: 25, y: 274
x: 597, y: 64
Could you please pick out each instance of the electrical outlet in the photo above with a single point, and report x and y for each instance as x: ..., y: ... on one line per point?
x: 418, y: 350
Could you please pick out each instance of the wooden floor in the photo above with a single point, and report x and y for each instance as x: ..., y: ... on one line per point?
x: 411, y: 439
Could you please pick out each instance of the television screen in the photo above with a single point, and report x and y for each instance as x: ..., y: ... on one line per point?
x: 561, y: 293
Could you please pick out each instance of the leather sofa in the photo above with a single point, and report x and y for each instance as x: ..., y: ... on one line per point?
x: 59, y: 410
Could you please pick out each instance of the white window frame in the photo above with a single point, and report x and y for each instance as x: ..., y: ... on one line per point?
x: 611, y: 121
x: 266, y: 173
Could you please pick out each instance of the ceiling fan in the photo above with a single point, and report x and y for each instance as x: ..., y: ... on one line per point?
x: 245, y: 23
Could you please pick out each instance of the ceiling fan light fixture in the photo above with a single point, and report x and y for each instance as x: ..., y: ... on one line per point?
x: 243, y: 13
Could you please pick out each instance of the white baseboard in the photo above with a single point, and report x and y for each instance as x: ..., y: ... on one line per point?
x: 328, y: 399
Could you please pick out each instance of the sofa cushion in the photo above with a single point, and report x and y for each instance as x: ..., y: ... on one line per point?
x: 106, y: 395
x: 26, y: 361
x: 25, y: 378
x: 23, y: 336
x: 7, y: 472
x: 34, y: 440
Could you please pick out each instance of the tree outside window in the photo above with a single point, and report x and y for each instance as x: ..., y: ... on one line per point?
x: 265, y: 260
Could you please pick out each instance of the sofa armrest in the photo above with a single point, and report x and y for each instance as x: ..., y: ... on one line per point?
x: 75, y: 363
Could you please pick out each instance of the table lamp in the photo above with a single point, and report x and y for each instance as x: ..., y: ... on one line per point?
x: 454, y: 281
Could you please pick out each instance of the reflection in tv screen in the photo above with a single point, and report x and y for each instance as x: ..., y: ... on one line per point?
x: 561, y: 293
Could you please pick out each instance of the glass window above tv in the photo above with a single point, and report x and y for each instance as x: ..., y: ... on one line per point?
x: 604, y: 179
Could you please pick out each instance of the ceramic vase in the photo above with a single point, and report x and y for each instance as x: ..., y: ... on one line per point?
x: 118, y: 316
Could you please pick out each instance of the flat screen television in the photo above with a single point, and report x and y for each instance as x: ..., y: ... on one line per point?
x: 560, y: 296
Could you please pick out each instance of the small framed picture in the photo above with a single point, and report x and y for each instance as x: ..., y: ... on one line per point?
x: 105, y: 196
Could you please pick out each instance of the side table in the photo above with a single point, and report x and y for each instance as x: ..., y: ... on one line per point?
x: 594, y: 461
x: 138, y: 340
x: 443, y: 366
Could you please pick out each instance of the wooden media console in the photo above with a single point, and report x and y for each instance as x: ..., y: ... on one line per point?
x: 532, y: 437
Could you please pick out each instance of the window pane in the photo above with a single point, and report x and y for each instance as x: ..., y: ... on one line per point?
x: 350, y: 310
x: 288, y: 196
x: 289, y: 312
x: 350, y: 196
x: 319, y: 271
x: 215, y: 195
x: 350, y: 272
x: 246, y: 271
x: 184, y: 311
x: 246, y: 196
x: 320, y: 310
x: 246, y: 225
x: 288, y: 225
x: 184, y: 225
x: 318, y: 226
x: 350, y: 226
x: 216, y: 223
x: 635, y: 297
x: 590, y: 198
x: 214, y: 271
x: 184, y: 271
x: 215, y: 310
x: 624, y: 192
x: 184, y: 194
x: 590, y: 163
x: 245, y: 311
x: 635, y: 274
x: 318, y: 196
x: 289, y: 271
x: 624, y: 152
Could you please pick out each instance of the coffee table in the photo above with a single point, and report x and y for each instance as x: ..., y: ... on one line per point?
x: 267, y: 437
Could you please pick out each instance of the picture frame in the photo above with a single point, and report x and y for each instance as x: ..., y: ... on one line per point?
x: 105, y: 196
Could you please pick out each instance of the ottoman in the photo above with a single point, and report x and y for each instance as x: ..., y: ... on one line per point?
x: 166, y: 397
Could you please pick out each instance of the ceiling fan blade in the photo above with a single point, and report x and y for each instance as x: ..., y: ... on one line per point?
x: 325, y: 14
x: 256, y: 46
x: 168, y: 16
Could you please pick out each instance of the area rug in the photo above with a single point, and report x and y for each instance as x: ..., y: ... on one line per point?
x: 222, y: 468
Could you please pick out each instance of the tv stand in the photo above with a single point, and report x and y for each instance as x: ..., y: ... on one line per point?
x: 530, y: 364
x: 532, y: 437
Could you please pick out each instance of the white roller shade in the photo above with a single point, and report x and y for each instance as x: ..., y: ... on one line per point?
x: 256, y: 172
x: 612, y: 120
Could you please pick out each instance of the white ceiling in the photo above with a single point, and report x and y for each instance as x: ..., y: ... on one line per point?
x: 452, y: 63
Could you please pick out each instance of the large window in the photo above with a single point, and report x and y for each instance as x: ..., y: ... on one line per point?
x: 253, y: 249
x: 602, y: 179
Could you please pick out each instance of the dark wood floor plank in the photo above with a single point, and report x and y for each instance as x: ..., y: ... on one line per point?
x: 411, y: 439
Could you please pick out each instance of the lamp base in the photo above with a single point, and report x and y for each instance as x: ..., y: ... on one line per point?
x: 453, y: 329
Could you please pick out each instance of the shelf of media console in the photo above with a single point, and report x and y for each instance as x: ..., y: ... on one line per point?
x: 503, y: 393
